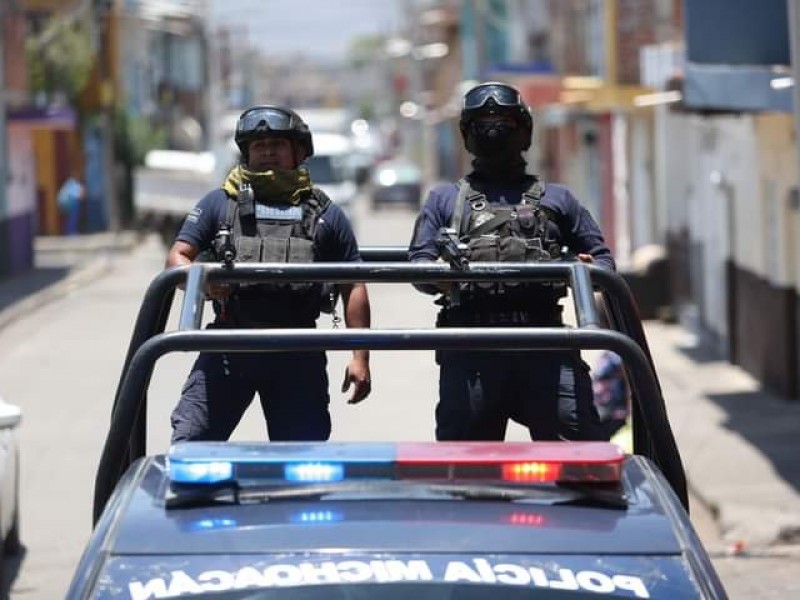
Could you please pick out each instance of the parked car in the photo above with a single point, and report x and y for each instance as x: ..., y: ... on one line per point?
x: 396, y: 182
x: 10, y: 417
x: 330, y: 171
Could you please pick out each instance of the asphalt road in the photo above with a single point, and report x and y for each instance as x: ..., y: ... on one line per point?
x: 61, y: 365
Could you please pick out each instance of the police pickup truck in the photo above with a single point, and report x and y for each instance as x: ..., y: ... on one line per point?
x: 392, y: 520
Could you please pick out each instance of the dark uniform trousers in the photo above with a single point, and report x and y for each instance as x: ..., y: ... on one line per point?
x: 292, y: 388
x: 549, y: 392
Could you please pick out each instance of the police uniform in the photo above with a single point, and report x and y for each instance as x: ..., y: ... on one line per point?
x: 292, y: 386
x: 548, y: 392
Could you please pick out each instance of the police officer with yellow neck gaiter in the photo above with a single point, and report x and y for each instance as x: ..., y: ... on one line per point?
x: 274, y: 214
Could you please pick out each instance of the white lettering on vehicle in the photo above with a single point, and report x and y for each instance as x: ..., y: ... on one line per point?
x: 478, y: 570
x: 248, y: 577
x: 216, y: 581
x: 515, y: 575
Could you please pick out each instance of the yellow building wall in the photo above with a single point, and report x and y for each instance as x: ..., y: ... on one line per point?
x: 58, y: 155
x: 46, y: 190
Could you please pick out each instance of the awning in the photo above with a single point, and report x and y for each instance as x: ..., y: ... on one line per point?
x: 50, y: 5
x: 734, y: 88
x: 62, y: 117
x: 584, y: 94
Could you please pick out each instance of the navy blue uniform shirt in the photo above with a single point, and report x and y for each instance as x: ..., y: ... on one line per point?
x: 571, y: 226
x: 334, y: 241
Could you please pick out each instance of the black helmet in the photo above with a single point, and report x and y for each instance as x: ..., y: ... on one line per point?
x: 259, y: 121
x: 495, y: 98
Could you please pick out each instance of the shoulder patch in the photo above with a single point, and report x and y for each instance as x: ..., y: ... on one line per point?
x: 194, y: 214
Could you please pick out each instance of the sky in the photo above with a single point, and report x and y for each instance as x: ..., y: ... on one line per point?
x: 318, y: 28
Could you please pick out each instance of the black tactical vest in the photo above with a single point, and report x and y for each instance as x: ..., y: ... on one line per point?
x: 277, y: 234
x: 506, y: 233
x: 502, y: 232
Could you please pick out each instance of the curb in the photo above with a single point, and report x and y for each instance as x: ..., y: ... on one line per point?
x: 77, y: 277
x: 100, y: 250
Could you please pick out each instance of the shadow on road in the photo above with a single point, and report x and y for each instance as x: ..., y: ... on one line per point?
x: 770, y: 424
x: 16, y: 288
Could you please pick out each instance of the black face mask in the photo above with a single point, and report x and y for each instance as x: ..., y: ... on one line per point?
x: 489, y: 139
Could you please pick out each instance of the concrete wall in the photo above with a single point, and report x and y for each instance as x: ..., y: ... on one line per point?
x: 780, y: 221
x: 732, y: 229
x: 764, y: 278
x: 645, y: 226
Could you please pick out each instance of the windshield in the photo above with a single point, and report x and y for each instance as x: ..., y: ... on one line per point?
x: 324, y: 169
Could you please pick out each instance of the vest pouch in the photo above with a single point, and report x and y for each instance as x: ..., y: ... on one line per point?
x: 274, y: 250
x: 512, y: 249
x: 300, y: 250
x: 536, y: 252
x: 484, y: 249
x: 248, y: 249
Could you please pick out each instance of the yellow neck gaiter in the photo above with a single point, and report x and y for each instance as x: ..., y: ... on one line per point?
x: 276, y: 186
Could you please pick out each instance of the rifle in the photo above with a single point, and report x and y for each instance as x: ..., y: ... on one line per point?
x: 452, y: 249
x: 226, y: 250
x: 225, y: 246
x: 455, y: 252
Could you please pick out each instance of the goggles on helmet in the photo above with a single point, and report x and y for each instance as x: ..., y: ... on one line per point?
x: 265, y: 120
x: 502, y: 95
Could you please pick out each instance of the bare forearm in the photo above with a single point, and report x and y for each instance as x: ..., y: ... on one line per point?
x: 179, y: 255
x: 357, y: 310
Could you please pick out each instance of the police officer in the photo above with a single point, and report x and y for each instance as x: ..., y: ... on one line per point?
x: 273, y: 214
x: 501, y: 213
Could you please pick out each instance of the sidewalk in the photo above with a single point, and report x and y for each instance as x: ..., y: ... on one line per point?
x: 61, y: 265
x: 740, y: 445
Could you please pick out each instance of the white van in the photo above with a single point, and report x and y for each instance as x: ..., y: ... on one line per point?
x: 330, y: 168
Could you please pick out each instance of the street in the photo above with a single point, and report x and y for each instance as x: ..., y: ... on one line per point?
x: 61, y: 365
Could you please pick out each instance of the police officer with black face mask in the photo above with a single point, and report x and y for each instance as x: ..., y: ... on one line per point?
x: 269, y: 211
x: 499, y: 212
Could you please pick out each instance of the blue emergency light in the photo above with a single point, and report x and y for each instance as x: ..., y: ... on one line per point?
x: 313, y: 472
x: 200, y: 472
x: 204, y: 463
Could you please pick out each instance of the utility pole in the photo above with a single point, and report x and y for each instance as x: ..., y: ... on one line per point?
x: 415, y: 85
x: 3, y: 133
x: 620, y: 218
x: 103, y: 12
x: 794, y: 44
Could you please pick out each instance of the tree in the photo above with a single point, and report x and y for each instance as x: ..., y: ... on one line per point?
x: 60, y: 59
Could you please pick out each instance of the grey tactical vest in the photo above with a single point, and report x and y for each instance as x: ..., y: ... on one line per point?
x: 279, y: 234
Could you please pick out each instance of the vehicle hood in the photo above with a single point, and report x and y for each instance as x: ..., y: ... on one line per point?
x: 138, y: 577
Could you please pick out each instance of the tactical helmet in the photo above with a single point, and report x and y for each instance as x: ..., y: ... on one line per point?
x: 260, y: 121
x: 495, y: 98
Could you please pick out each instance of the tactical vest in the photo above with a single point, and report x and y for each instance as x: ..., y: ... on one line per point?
x: 272, y: 233
x: 505, y: 233
x: 502, y: 232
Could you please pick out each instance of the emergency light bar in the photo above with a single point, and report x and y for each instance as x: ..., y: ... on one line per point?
x: 287, y: 463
